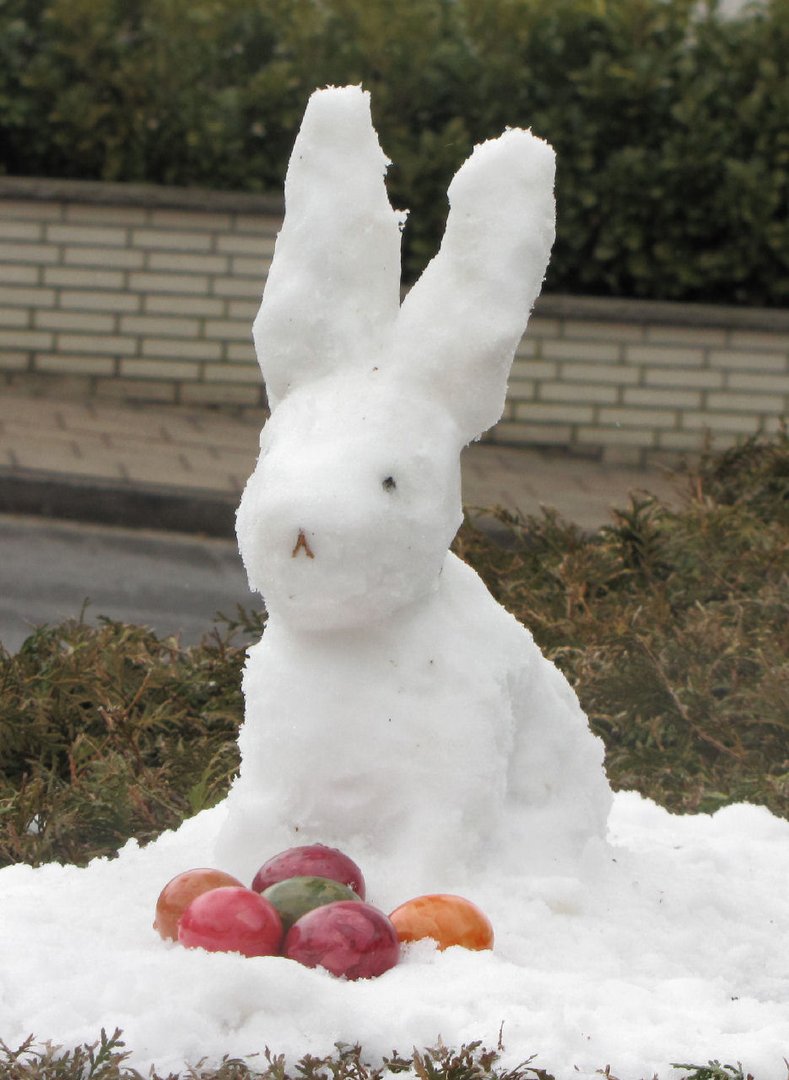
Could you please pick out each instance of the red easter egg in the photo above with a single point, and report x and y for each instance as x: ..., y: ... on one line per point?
x: 178, y: 894
x: 348, y: 938
x: 310, y: 860
x: 449, y: 920
x: 231, y: 919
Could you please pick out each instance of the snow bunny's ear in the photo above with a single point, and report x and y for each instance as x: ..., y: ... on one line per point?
x: 460, y: 324
x: 333, y: 290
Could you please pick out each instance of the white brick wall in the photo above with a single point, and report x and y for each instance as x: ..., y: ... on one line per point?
x: 154, y: 298
x: 634, y: 381
x: 150, y: 293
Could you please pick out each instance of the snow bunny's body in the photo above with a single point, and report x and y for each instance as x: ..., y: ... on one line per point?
x: 392, y: 703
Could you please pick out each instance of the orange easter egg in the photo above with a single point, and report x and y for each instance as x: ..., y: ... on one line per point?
x: 449, y: 920
x: 178, y: 894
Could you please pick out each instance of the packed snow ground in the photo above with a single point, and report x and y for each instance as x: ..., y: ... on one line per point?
x: 668, y: 945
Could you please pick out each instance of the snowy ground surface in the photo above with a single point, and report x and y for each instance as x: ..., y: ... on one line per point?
x: 669, y: 945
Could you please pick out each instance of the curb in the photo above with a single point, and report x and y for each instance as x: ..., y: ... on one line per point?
x: 193, y: 511
x: 148, y: 506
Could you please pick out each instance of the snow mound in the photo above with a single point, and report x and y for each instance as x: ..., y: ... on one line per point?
x: 664, y: 947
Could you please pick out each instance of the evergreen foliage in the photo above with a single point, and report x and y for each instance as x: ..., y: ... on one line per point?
x: 107, y: 1059
x: 671, y: 623
x: 670, y: 122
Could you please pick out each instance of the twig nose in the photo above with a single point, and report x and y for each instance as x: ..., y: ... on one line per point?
x: 303, y: 544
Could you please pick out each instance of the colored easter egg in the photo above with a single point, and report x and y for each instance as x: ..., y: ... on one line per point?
x: 313, y: 860
x: 178, y: 894
x: 231, y: 919
x: 449, y: 920
x: 295, y: 896
x: 348, y: 938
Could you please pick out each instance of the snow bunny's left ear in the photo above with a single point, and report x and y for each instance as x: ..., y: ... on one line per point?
x: 333, y: 290
x: 461, y: 323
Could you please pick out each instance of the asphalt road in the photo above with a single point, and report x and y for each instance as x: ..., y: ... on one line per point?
x: 49, y: 571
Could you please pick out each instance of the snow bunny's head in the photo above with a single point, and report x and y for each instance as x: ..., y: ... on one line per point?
x: 356, y: 495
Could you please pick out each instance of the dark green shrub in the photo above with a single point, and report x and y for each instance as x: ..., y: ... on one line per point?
x: 670, y: 124
x: 671, y: 623
x: 111, y: 732
x: 672, y: 140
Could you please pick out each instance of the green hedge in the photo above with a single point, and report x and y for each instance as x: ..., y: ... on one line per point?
x: 671, y: 124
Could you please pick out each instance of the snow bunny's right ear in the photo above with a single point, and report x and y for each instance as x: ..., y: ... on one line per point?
x: 333, y: 291
x: 461, y: 323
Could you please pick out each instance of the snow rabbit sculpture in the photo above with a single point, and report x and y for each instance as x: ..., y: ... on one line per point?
x: 392, y: 706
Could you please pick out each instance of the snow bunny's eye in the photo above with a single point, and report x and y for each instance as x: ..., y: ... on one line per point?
x: 389, y: 483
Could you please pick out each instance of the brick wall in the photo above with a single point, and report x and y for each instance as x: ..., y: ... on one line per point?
x: 637, y: 380
x: 149, y: 293
x: 138, y: 298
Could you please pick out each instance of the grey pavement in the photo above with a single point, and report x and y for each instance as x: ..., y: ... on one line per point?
x: 183, y: 468
x: 129, y: 509
x: 56, y: 570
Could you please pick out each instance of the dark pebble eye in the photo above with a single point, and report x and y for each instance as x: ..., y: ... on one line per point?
x: 389, y: 483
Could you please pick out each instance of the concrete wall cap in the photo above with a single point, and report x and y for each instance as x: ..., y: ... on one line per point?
x: 154, y: 196
x: 616, y: 309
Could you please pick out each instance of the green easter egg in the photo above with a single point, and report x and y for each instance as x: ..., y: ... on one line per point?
x: 295, y: 896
